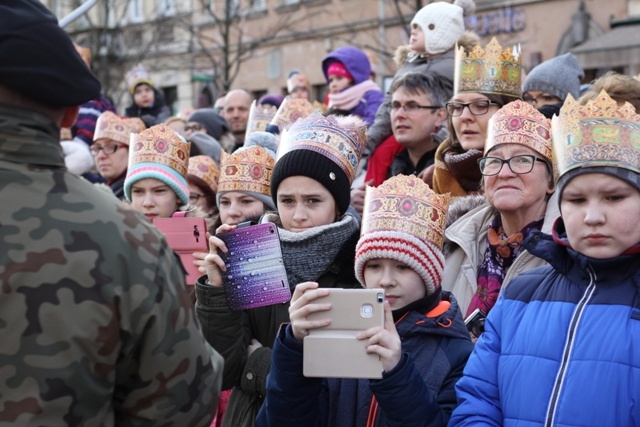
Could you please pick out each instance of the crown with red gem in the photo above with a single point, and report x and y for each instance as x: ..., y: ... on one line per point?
x: 260, y: 117
x: 291, y: 110
x: 110, y: 125
x: 247, y: 171
x: 205, y: 168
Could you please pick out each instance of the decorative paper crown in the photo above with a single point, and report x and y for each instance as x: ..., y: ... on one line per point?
x: 489, y: 70
x: 296, y: 81
x: 342, y: 142
x: 247, y: 171
x: 291, y: 110
x: 404, y: 219
x: 205, y: 168
x: 160, y: 153
x: 110, y: 125
x: 260, y: 117
x: 520, y: 123
x: 136, y: 76
x: 600, y: 133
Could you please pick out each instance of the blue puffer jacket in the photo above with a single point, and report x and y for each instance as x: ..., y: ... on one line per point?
x: 561, y: 347
x: 419, y: 391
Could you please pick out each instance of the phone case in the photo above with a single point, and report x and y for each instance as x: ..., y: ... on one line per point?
x: 255, y: 275
x: 185, y: 235
x: 334, y: 351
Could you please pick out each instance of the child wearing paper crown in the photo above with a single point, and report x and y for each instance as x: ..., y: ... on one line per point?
x: 561, y: 345
x: 351, y: 92
x: 424, y: 344
x: 147, y: 101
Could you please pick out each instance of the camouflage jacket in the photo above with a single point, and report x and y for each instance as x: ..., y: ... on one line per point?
x: 95, y: 325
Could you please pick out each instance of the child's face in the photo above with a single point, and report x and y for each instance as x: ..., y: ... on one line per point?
x: 143, y: 96
x: 304, y: 203
x: 417, y: 39
x: 235, y: 207
x: 338, y: 83
x: 600, y: 214
x: 402, y: 285
x: 154, y: 198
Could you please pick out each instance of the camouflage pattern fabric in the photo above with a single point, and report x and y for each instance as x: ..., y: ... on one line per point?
x: 96, y: 327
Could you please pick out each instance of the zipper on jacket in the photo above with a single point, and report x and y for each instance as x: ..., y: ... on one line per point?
x: 568, y: 348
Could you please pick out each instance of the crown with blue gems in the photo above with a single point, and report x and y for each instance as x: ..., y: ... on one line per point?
x: 599, y: 133
x: 491, y: 69
x: 340, y: 139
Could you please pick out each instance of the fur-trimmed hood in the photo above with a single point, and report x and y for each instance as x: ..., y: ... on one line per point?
x: 468, y: 40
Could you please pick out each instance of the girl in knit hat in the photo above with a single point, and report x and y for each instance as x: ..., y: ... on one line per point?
x: 147, y: 102
x: 202, y: 179
x: 351, y: 92
x: 423, y: 346
x: 310, y: 184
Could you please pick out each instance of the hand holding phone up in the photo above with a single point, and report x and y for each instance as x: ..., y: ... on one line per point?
x: 385, y: 342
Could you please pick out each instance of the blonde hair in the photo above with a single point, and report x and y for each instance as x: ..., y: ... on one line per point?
x: 620, y: 87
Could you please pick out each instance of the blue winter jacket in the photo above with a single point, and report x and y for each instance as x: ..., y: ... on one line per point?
x: 561, y: 347
x: 419, y: 391
x: 359, y: 66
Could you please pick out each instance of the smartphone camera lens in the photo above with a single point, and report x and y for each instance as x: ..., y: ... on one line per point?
x: 380, y: 298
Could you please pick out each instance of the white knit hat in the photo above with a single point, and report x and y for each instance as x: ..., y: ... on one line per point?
x: 442, y: 24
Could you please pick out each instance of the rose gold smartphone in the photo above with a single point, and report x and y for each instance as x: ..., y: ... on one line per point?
x: 334, y: 351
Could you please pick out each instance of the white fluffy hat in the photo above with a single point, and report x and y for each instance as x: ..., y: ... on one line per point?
x: 442, y: 24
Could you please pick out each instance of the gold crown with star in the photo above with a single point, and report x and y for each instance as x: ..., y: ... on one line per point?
x: 520, y: 123
x: 599, y: 133
x: 491, y: 69
x: 247, y: 170
x: 340, y: 139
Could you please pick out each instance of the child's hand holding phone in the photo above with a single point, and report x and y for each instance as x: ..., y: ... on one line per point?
x: 302, y: 305
x: 385, y: 342
x: 211, y: 263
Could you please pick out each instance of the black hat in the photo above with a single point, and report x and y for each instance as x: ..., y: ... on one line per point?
x: 39, y: 59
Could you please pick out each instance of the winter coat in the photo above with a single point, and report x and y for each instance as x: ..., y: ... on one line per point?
x: 419, y: 391
x: 466, y: 243
x: 359, y: 66
x: 408, y: 61
x: 561, y: 346
x: 151, y: 116
x: 248, y: 374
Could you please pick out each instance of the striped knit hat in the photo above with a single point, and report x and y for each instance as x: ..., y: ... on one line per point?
x: 404, y: 220
x: 159, y: 153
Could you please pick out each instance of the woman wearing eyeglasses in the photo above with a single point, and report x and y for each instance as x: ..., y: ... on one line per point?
x: 483, y: 247
x: 485, y: 80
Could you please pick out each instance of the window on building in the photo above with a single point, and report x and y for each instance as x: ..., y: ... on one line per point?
x: 258, y: 5
x: 135, y: 11
x: 288, y: 2
x: 165, y: 7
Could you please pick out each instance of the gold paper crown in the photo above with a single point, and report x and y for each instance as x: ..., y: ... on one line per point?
x: 160, y: 145
x: 260, y: 117
x: 205, y: 168
x: 246, y: 170
x: 296, y: 81
x: 136, y: 76
x: 110, y: 125
x: 599, y: 133
x: 406, y: 204
x: 520, y: 123
x: 490, y: 70
x: 291, y: 110
x: 340, y: 139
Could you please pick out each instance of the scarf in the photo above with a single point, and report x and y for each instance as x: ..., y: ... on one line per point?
x: 501, y: 251
x: 309, y: 254
x: 349, y: 98
x: 456, y: 171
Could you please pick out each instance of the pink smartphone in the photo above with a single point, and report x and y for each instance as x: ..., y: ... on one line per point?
x: 185, y: 235
x: 255, y: 275
x: 334, y: 351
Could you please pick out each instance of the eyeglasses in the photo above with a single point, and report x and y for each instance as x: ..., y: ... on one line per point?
x: 412, y: 107
x: 107, y: 149
x: 542, y: 99
x: 521, y: 164
x: 194, y: 128
x: 194, y: 197
x: 477, y: 108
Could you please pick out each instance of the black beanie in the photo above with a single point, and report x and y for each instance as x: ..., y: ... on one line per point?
x: 315, y: 166
x: 38, y: 58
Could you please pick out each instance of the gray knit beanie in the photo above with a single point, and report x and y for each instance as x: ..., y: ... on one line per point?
x: 558, y: 76
x: 213, y: 122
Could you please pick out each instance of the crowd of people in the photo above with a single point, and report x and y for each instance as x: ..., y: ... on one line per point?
x: 496, y: 213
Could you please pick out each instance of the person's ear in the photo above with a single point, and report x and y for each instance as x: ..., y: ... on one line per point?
x: 69, y: 117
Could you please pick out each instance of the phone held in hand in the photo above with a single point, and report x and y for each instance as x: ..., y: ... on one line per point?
x: 185, y: 235
x: 334, y: 351
x: 475, y: 323
x: 255, y: 275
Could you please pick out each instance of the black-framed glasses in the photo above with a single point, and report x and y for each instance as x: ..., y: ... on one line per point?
x: 520, y: 165
x: 412, y: 107
x: 477, y: 107
x: 107, y: 149
x: 542, y: 99
x: 194, y: 197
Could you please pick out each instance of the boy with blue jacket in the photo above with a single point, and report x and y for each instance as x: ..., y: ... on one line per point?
x: 561, y: 346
